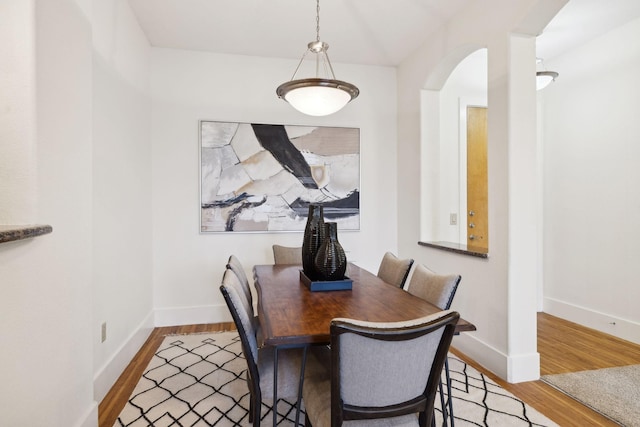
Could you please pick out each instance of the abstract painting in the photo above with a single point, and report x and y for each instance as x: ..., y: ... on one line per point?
x: 262, y: 177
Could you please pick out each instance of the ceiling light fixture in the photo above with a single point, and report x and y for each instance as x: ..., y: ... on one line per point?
x: 317, y: 96
x: 544, y: 77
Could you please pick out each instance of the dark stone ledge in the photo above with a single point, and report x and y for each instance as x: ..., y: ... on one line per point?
x: 9, y: 233
x: 458, y: 248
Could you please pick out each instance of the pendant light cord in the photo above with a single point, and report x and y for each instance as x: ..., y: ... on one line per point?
x: 317, y: 20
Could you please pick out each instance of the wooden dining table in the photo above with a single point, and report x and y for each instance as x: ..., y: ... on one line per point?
x: 291, y: 315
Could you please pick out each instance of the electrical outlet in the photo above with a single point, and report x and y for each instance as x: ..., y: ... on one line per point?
x: 103, y: 332
x: 453, y: 218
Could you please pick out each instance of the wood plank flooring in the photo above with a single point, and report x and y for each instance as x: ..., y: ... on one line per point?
x: 568, y: 347
x: 563, y: 346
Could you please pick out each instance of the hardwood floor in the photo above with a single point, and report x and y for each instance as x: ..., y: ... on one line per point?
x: 563, y: 346
x: 568, y: 347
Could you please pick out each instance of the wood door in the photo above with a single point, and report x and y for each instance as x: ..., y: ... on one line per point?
x: 477, y: 198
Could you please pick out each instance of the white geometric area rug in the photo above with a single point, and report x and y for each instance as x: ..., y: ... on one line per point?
x: 198, y: 380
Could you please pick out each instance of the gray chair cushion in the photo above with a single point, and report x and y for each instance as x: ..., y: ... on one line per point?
x: 236, y: 266
x: 317, y: 400
x: 371, y: 375
x: 243, y: 310
x: 435, y: 288
x: 393, y: 270
x: 287, y: 255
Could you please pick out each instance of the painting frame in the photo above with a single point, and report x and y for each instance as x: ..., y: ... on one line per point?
x: 261, y: 178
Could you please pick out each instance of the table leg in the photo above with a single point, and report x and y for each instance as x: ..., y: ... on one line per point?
x: 300, y: 384
x: 275, y: 386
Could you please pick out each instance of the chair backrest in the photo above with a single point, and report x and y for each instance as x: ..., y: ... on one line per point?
x: 435, y: 288
x: 366, y: 380
x: 287, y: 255
x: 236, y: 266
x: 393, y: 270
x: 239, y: 307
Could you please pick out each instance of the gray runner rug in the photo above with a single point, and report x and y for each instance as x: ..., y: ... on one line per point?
x: 613, y: 392
x: 199, y: 380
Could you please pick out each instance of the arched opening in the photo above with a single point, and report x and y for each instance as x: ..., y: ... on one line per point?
x: 456, y: 90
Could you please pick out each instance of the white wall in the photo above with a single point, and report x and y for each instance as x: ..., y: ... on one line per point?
x: 591, y: 177
x: 121, y: 190
x: 190, y: 86
x: 45, y: 287
x: 495, y: 294
x: 77, y: 124
x: 17, y: 114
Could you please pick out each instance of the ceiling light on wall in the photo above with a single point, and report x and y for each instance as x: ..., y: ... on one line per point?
x: 544, y: 77
x: 317, y: 96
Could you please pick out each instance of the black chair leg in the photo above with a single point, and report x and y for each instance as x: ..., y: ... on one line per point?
x: 443, y: 405
x: 449, y: 396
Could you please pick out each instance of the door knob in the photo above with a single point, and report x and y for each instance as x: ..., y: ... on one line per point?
x: 471, y: 225
x: 471, y: 213
x: 472, y: 237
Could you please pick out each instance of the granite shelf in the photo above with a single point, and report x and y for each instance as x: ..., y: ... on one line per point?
x: 10, y: 233
x: 458, y: 248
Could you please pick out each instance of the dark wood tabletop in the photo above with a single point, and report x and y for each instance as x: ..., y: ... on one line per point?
x: 290, y: 314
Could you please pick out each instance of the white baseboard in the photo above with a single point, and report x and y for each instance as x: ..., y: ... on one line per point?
x: 609, y: 324
x: 482, y: 353
x: 523, y: 367
x: 513, y: 369
x: 90, y: 419
x: 107, y: 375
x: 192, y: 315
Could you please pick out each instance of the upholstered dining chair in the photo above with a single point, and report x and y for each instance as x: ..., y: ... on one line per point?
x: 236, y: 266
x: 439, y: 290
x: 394, y: 270
x: 287, y: 255
x: 260, y: 360
x: 365, y: 386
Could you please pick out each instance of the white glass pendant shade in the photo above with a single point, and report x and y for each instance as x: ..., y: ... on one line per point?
x: 544, y: 78
x: 317, y: 97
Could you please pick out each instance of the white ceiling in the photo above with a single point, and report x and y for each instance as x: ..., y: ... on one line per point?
x: 369, y: 32
x: 583, y: 20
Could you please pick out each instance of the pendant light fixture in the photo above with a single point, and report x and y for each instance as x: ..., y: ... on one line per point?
x: 544, y: 78
x: 317, y: 96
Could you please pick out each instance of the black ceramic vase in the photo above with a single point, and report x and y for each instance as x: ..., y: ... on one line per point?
x: 313, y: 238
x: 331, y: 261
